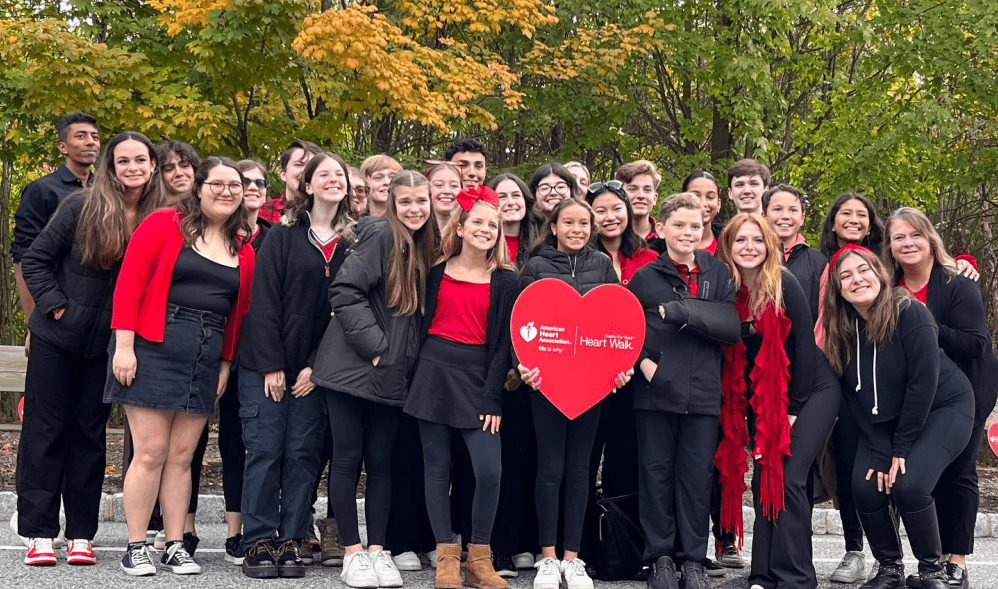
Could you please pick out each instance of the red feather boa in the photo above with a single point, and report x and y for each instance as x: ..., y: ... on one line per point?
x: 770, y: 379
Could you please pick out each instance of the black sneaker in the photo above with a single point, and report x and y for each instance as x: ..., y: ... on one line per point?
x: 259, y: 561
x: 663, y: 574
x: 503, y: 565
x: 234, y: 552
x: 694, y: 576
x: 191, y: 543
x: 178, y: 560
x: 714, y: 569
x: 289, y: 562
x: 137, y: 562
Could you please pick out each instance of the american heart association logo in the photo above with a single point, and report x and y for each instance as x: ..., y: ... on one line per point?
x: 528, y: 332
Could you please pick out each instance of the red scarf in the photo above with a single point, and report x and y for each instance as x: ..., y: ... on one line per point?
x: 770, y: 379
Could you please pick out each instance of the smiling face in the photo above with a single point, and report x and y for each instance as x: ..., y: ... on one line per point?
x: 581, y: 176
x: 358, y: 194
x: 746, y: 193
x: 480, y: 229
x: 909, y: 246
x: 706, y: 191
x: 859, y: 281
x: 682, y: 232
x: 292, y: 175
x: 444, y: 186
x: 572, y: 228
x: 785, y: 215
x: 472, y: 166
x: 133, y: 165
x: 748, y: 251
x: 221, y: 193
x: 512, y: 205
x: 377, y: 184
x: 82, y: 144
x: 641, y: 192
x: 551, y: 190
x: 254, y: 195
x: 852, y: 222
x: 178, y: 174
x: 413, y: 206
x: 328, y: 183
x: 611, y: 215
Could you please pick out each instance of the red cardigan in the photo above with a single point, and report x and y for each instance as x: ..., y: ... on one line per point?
x: 144, y: 284
x: 628, y: 266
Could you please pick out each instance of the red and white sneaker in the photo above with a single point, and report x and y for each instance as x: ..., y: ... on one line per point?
x: 40, y: 553
x: 80, y: 552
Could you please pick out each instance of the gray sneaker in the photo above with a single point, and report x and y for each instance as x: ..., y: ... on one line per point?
x: 851, y: 569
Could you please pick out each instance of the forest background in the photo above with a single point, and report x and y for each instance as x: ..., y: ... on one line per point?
x: 896, y: 98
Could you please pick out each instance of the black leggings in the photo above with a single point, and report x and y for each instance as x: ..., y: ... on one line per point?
x: 845, y: 439
x: 362, y: 431
x: 485, y: 451
x: 563, y: 451
x: 958, y: 496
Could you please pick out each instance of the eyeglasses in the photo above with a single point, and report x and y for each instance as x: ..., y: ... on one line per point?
x: 615, y: 186
x: 361, y: 190
x: 258, y: 182
x: 217, y: 188
x: 546, y: 189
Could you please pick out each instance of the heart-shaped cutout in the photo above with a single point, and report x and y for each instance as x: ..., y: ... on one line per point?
x: 993, y: 437
x: 579, y: 343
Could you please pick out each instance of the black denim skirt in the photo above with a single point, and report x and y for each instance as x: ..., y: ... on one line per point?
x: 178, y: 374
x: 448, y: 384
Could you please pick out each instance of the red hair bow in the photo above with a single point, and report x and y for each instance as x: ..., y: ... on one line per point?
x: 849, y: 247
x: 469, y: 196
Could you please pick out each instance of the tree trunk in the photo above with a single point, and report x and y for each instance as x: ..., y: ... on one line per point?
x: 8, y: 311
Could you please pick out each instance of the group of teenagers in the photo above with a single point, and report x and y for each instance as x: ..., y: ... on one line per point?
x: 362, y: 319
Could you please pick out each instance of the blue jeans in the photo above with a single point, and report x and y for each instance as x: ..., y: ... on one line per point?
x: 282, y: 441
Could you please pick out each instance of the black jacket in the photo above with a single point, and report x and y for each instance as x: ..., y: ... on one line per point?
x: 289, y: 312
x: 265, y: 227
x: 584, y: 271
x: 502, y: 294
x: 913, y: 376
x: 957, y: 305
x: 363, y: 327
x: 807, y: 265
x: 39, y: 200
x: 687, y: 344
x: 56, y: 279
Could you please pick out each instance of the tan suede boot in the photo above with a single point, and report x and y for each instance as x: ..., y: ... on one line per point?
x: 478, y: 571
x: 448, y: 566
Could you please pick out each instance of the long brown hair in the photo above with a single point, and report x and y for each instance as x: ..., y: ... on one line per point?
x: 451, y: 244
x: 235, y: 230
x: 769, y: 285
x: 412, y: 254
x: 919, y: 222
x: 102, y: 231
x: 840, y: 316
x: 342, y: 222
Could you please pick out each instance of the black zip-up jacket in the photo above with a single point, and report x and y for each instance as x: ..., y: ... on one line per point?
x: 583, y: 271
x: 687, y: 344
x: 913, y: 376
x: 289, y: 313
x: 265, y: 227
x: 502, y: 294
x: 807, y: 265
x: 39, y: 200
x: 363, y: 327
x: 957, y: 305
x: 57, y: 279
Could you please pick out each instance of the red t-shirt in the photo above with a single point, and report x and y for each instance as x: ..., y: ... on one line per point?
x: 688, y: 275
x: 920, y: 295
x: 712, y: 247
x: 628, y: 266
x: 462, y: 312
x: 513, y: 245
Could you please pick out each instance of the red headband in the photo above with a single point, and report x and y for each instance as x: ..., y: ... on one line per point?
x: 849, y: 247
x: 469, y: 196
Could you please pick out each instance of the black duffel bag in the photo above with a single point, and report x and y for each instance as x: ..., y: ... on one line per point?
x: 620, y: 541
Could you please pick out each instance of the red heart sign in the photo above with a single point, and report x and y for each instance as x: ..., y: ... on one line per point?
x: 993, y: 438
x: 579, y: 343
x: 20, y: 409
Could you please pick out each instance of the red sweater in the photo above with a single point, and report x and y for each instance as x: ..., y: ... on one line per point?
x: 144, y: 283
x: 628, y: 266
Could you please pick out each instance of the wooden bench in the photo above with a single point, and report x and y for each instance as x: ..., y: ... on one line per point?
x: 13, y: 365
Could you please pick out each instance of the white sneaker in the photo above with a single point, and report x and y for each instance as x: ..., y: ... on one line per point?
x: 40, y: 553
x: 575, y: 574
x: 431, y: 556
x: 524, y: 560
x: 384, y: 568
x: 548, y: 574
x: 408, y: 561
x: 357, y: 571
x: 160, y: 542
x: 851, y: 569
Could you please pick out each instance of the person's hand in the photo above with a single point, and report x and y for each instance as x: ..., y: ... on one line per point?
x: 622, y: 379
x: 273, y: 385
x: 303, y: 385
x: 123, y: 365
x: 376, y: 360
x: 531, y: 377
x: 897, y: 465
x: 792, y: 419
x: 490, y: 421
x: 224, y: 368
x: 965, y: 268
x: 648, y: 368
x: 881, y: 480
x: 58, y: 313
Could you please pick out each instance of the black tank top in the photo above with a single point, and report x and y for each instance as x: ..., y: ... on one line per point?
x: 199, y: 283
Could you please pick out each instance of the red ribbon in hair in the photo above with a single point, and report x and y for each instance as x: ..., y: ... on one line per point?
x: 849, y: 247
x: 469, y: 196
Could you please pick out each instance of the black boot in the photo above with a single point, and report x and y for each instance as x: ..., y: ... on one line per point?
x: 923, y: 535
x: 882, y: 532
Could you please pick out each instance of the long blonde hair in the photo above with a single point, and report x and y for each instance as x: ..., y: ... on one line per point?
x: 769, y: 285
x: 919, y: 222
x: 451, y: 244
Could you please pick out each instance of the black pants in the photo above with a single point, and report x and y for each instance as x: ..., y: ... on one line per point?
x: 325, y: 458
x: 943, y: 437
x: 845, y: 440
x: 231, y: 449
x: 362, y: 431
x: 62, y: 445
x: 563, y: 450
x: 484, y: 448
x: 675, y: 462
x: 781, y: 550
x: 515, y: 528
x: 408, y: 523
x: 957, y: 497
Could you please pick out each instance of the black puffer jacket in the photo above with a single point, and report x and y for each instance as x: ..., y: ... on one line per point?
x: 807, y: 265
x: 583, y: 271
x: 687, y: 344
x: 363, y: 327
x: 56, y: 279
